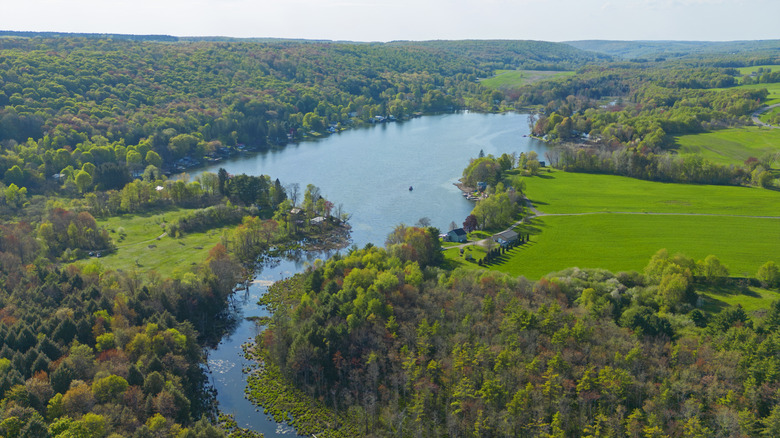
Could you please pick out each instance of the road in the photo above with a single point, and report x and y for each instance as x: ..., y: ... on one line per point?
x: 760, y: 111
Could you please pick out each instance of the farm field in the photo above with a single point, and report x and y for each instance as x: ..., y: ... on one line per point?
x: 140, y: 249
x: 754, y: 68
x: 617, y: 223
x: 507, y: 79
x: 569, y: 192
x: 626, y: 242
x: 731, y: 146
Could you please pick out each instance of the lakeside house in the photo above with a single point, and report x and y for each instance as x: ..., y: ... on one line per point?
x: 457, y: 235
x: 505, y: 238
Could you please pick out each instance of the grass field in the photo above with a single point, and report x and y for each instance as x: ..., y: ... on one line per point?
x: 568, y: 192
x: 752, y: 299
x: 508, y: 79
x: 626, y: 242
x: 731, y: 146
x: 694, y: 220
x: 774, y: 91
x: 751, y: 69
x: 143, y: 251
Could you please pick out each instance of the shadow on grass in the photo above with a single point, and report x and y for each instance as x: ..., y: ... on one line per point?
x: 731, y: 289
x: 505, y: 257
x: 713, y: 305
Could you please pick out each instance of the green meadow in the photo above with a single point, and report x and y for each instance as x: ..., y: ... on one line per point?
x: 508, y: 79
x: 774, y: 91
x: 748, y: 70
x: 752, y: 299
x: 617, y: 223
x: 731, y: 146
x: 141, y: 245
x: 568, y: 192
x: 626, y: 242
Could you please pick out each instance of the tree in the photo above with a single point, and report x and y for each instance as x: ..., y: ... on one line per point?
x: 15, y: 196
x: 423, y: 222
x: 470, y: 224
x: 83, y: 181
x: 769, y: 274
x: 153, y: 159
x: 183, y: 145
x: 111, y: 176
x: 293, y: 191
x: 108, y: 388
x: 712, y: 269
x: 134, y: 160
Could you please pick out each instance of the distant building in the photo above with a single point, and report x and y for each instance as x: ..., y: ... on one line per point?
x: 504, y: 238
x: 457, y: 235
x: 481, y: 186
x: 319, y: 220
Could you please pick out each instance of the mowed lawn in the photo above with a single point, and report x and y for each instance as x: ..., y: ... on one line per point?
x: 141, y: 250
x: 584, y: 229
x: 568, y: 192
x: 626, y: 242
x: 731, y: 146
x: 509, y: 79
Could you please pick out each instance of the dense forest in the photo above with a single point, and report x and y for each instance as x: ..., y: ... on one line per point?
x: 87, y: 350
x: 100, y: 105
x: 402, y: 348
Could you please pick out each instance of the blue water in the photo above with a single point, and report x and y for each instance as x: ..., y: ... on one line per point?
x: 368, y: 171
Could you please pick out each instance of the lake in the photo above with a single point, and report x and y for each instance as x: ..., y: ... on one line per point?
x: 369, y: 171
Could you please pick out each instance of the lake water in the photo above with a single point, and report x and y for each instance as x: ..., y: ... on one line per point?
x: 369, y: 171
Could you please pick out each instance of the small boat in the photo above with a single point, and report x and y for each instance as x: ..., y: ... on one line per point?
x: 411, y: 188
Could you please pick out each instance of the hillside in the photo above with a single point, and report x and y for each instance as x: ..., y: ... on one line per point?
x: 642, y: 49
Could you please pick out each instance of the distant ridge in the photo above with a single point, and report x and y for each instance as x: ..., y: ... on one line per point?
x: 116, y: 36
x: 638, y: 49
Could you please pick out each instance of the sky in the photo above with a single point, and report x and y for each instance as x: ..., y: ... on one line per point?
x: 388, y: 20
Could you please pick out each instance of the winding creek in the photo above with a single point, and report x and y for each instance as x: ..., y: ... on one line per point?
x: 369, y: 171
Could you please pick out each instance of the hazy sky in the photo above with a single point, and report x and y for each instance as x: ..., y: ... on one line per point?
x: 374, y: 20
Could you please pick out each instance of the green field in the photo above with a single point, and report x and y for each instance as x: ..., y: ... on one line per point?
x: 626, y: 242
x: 568, y: 192
x: 752, y: 299
x: 774, y: 91
x: 731, y: 146
x: 604, y: 221
x: 141, y: 250
x: 508, y: 79
x: 747, y: 70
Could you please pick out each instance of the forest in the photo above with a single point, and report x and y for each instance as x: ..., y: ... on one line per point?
x: 398, y: 347
x: 390, y: 342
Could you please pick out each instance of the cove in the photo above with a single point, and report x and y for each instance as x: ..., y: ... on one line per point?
x: 368, y: 170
